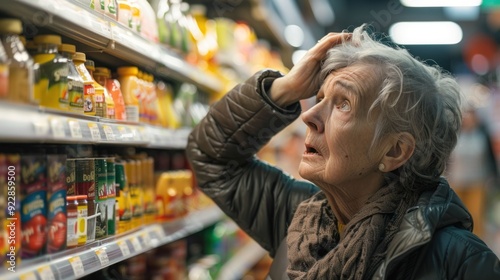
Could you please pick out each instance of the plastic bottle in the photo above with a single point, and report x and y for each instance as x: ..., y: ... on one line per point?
x: 127, y: 76
x: 167, y: 115
x: 108, y: 99
x: 89, y: 106
x: 152, y: 100
x: 123, y: 201
x: 141, y: 95
x: 125, y: 13
x: 75, y: 81
x: 105, y: 107
x: 103, y: 76
x: 52, y: 88
x: 136, y: 193
x: 136, y: 15
x: 20, y: 63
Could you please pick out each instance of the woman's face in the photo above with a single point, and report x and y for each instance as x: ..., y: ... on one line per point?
x: 339, y: 135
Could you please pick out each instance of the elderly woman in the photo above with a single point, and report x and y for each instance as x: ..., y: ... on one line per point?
x: 378, y: 138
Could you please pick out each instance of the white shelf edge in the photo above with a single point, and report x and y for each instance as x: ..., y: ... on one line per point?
x: 115, y: 248
x: 31, y: 124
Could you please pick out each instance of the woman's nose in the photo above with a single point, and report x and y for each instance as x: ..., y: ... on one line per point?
x: 312, y: 118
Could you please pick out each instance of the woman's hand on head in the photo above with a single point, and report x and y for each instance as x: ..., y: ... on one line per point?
x: 303, y: 80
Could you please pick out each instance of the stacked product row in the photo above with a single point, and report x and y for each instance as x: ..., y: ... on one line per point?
x: 52, y: 203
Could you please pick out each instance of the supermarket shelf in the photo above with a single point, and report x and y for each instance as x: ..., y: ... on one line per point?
x: 242, y: 261
x: 78, y: 262
x: 70, y: 19
x: 30, y: 124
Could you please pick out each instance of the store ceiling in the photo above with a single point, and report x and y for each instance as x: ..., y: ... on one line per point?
x: 381, y: 14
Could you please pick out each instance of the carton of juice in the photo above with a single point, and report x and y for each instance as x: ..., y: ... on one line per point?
x: 56, y: 196
x: 33, y: 190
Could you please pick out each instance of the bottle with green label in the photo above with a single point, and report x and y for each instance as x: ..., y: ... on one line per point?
x: 52, y: 87
x: 75, y: 81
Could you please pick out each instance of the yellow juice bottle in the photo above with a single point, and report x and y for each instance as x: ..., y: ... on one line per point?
x: 124, y: 203
x: 149, y: 194
x: 101, y: 77
x: 89, y: 106
x: 127, y: 76
x: 135, y: 194
x: 52, y: 87
x: 105, y: 106
x: 75, y: 81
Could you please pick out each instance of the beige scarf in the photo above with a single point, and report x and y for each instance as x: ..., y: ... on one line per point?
x: 315, y: 250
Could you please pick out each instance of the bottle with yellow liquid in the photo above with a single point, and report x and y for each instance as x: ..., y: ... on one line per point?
x: 167, y: 116
x: 108, y: 99
x: 142, y: 97
x: 52, y: 87
x: 89, y: 106
x: 105, y: 107
x: 127, y: 76
x: 16, y: 74
x: 103, y: 76
x: 75, y: 81
x: 136, y: 194
x: 148, y: 189
x: 124, y: 202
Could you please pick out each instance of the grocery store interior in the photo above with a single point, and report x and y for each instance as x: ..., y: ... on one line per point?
x: 98, y: 97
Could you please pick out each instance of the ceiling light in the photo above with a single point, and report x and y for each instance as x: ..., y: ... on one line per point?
x: 426, y: 33
x: 441, y: 3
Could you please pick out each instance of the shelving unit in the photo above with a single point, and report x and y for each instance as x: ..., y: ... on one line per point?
x: 78, y: 262
x: 105, y: 35
x: 41, y: 125
x: 108, y: 40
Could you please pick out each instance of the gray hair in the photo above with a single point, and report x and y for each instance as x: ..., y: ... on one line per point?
x: 422, y: 100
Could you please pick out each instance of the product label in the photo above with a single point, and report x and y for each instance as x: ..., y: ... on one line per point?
x: 72, y: 229
x: 75, y: 92
x: 82, y: 224
x: 56, y: 188
x: 70, y: 177
x: 88, y: 103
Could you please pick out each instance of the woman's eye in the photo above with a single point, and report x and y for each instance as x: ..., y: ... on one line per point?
x: 345, y: 106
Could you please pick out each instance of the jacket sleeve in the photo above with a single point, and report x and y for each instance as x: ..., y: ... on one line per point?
x: 221, y: 149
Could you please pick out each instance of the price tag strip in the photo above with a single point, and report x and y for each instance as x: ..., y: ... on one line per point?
x: 57, y: 127
x: 28, y: 276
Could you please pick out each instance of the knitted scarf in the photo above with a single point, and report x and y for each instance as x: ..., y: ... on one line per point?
x: 316, y: 249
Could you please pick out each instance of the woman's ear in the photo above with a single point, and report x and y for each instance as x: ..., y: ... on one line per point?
x: 401, y: 149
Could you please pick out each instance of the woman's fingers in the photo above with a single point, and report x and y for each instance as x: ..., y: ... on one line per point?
x: 327, y: 42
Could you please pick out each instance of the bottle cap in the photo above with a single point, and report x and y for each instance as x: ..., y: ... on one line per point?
x: 11, y: 25
x: 67, y: 48
x: 47, y: 39
x: 89, y: 64
x: 79, y: 56
x: 127, y: 71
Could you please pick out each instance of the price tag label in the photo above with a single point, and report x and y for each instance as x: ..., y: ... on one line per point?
x: 135, y: 134
x: 77, y: 265
x: 41, y: 127
x: 124, y: 133
x: 124, y: 248
x: 147, y: 240
x: 28, y: 276
x: 57, y: 127
x: 136, y: 244
x: 75, y: 129
x: 46, y: 273
x: 94, y: 131
x: 102, y: 256
x: 160, y: 233
x: 108, y: 132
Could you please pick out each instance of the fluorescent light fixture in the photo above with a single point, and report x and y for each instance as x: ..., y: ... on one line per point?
x: 441, y: 3
x: 294, y: 35
x: 426, y: 33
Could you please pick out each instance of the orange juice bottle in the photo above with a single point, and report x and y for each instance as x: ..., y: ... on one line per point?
x: 89, y: 106
x: 135, y: 193
x: 167, y: 116
x: 103, y: 76
x: 52, y: 87
x: 124, y: 204
x: 105, y: 105
x: 127, y: 76
x: 75, y: 81
x: 141, y: 96
x: 149, y: 193
x: 152, y: 100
